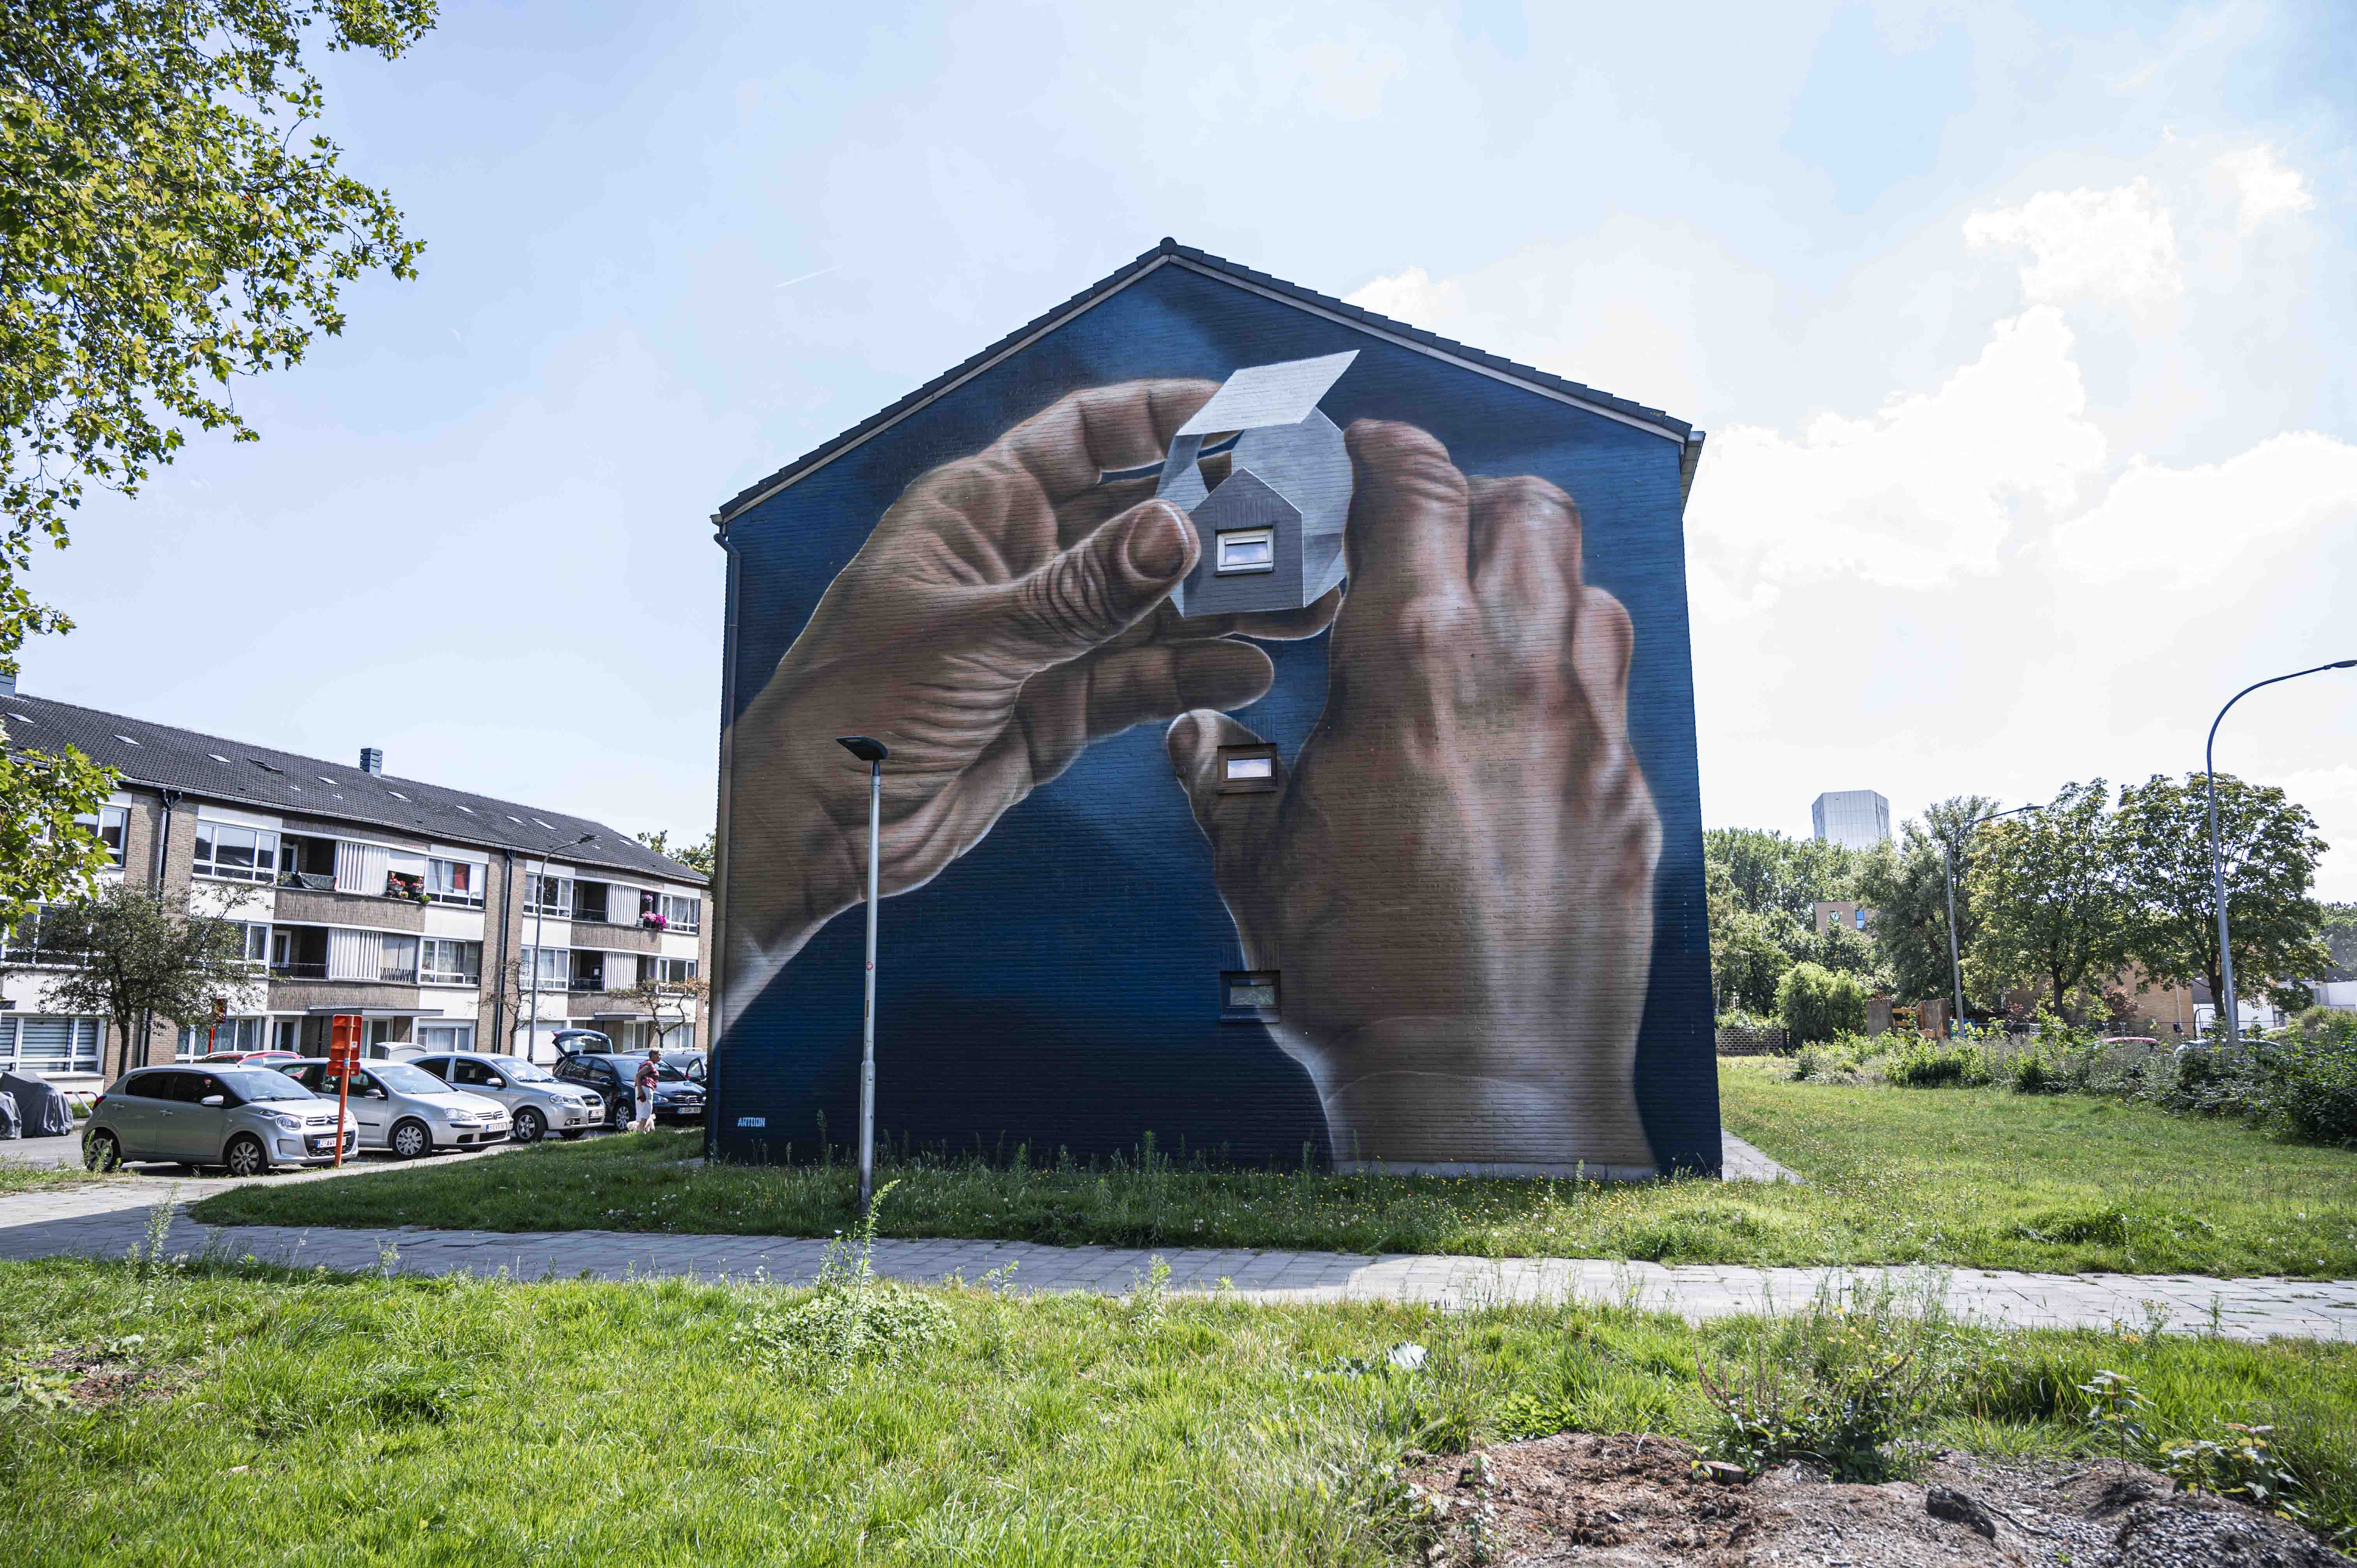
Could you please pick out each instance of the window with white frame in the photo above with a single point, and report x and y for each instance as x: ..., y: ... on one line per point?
x: 108, y: 824
x: 38, y: 1044
x: 548, y: 969
x: 229, y: 1034
x: 398, y: 962
x: 683, y: 914
x: 457, y: 882
x: 240, y: 855
x: 548, y: 895
x: 441, y: 961
x: 40, y: 938
x: 446, y: 1037
x: 671, y: 970
x: 255, y: 935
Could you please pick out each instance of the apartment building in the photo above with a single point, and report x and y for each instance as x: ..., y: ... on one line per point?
x: 446, y: 920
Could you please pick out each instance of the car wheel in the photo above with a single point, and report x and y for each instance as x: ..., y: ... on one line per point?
x: 246, y: 1156
x: 409, y: 1139
x: 529, y: 1127
x: 100, y: 1152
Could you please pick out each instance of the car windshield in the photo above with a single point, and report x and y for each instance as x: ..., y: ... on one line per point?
x: 403, y: 1079
x: 520, y: 1070
x: 261, y: 1083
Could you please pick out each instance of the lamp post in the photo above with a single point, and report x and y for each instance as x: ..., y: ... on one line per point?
x: 1948, y: 867
x: 539, y: 924
x: 873, y: 753
x: 2217, y: 856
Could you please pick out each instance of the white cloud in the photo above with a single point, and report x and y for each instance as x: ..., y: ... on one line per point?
x: 1927, y: 488
x: 2103, y: 245
x: 1411, y: 297
x: 2194, y: 524
x: 2264, y: 188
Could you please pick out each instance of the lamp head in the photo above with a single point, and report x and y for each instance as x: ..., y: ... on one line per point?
x: 2345, y: 664
x: 866, y: 748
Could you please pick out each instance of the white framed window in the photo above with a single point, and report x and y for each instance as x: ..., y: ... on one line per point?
x: 108, y: 824
x: 398, y: 962
x: 548, y: 969
x: 35, y: 940
x: 441, y: 961
x: 446, y: 1037
x: 683, y: 914
x: 457, y: 882
x: 256, y: 937
x: 1245, y: 550
x: 239, y: 855
x: 41, y: 1044
x: 230, y: 1035
x: 548, y: 895
x: 664, y: 970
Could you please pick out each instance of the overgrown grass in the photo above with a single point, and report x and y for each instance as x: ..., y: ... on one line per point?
x: 314, y: 1418
x: 22, y: 1176
x: 1983, y: 1178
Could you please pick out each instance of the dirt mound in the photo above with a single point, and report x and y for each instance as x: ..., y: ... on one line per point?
x: 1638, y: 1502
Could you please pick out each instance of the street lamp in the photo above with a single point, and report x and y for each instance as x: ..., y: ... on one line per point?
x: 2217, y: 856
x: 1948, y: 866
x: 539, y: 924
x: 873, y: 753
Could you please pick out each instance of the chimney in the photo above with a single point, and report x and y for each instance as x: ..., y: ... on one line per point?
x: 372, y: 760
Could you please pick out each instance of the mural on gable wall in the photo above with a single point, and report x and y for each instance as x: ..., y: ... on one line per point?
x: 1292, y: 750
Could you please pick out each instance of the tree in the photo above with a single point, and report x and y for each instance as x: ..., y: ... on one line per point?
x: 139, y: 956
x: 1817, y: 1004
x: 2341, y: 941
x: 2048, y: 901
x: 670, y: 1004
x: 1771, y: 874
x: 164, y: 227
x: 44, y: 852
x: 2270, y: 850
x: 1907, y: 886
x: 698, y: 856
x: 1748, y: 957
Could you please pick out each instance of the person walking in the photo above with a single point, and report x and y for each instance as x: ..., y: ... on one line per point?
x: 650, y: 1071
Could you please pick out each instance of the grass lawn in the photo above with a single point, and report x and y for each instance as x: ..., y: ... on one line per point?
x: 264, y: 1416
x: 1977, y: 1178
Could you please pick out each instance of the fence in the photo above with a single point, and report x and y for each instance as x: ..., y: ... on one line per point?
x: 1751, y: 1041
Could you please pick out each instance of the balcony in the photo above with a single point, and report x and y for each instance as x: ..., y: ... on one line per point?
x: 317, y: 881
x: 299, y: 969
x: 38, y: 956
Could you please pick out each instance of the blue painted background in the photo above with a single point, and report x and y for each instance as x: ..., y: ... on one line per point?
x: 1057, y: 986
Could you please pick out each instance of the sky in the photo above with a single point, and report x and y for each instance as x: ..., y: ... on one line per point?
x: 2022, y: 337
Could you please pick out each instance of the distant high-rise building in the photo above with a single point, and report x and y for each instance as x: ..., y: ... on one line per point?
x: 1857, y: 819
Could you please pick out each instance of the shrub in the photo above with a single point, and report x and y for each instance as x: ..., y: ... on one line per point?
x: 848, y: 1316
x: 1818, y: 1005
x: 1922, y: 1062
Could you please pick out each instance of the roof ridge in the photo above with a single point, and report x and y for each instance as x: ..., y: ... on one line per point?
x: 1167, y: 250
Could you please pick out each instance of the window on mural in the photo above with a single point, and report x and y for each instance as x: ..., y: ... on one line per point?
x: 1247, y: 549
x: 1240, y: 769
x: 241, y: 854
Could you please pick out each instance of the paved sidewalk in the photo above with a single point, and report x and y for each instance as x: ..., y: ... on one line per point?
x: 107, y: 1222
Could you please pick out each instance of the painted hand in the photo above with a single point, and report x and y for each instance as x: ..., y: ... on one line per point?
x: 1454, y: 880
x: 1005, y: 612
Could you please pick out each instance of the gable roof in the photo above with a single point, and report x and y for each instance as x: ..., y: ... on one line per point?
x: 1172, y: 253
x: 232, y: 772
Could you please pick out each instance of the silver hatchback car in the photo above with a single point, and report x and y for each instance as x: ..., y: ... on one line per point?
x: 538, y: 1104
x: 247, y: 1119
x: 407, y: 1111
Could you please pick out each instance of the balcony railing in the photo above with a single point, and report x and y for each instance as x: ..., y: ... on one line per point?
x: 315, y: 881
x: 297, y: 969
x: 38, y: 956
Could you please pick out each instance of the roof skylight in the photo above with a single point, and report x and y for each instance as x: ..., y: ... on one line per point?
x: 217, y: 757
x: 126, y: 740
x: 396, y: 794
x: 469, y: 809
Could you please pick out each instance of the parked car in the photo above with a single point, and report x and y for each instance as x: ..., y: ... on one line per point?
x: 538, y: 1104
x: 251, y: 1059
x: 408, y: 1112
x: 246, y: 1119
x: 692, y: 1063
x: 613, y: 1078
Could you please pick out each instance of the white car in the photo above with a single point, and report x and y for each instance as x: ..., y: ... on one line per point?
x: 537, y: 1103
x: 407, y: 1111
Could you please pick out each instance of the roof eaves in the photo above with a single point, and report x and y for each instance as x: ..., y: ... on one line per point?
x: 1621, y: 409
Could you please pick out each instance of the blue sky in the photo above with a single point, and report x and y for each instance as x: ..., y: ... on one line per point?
x: 2022, y: 338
